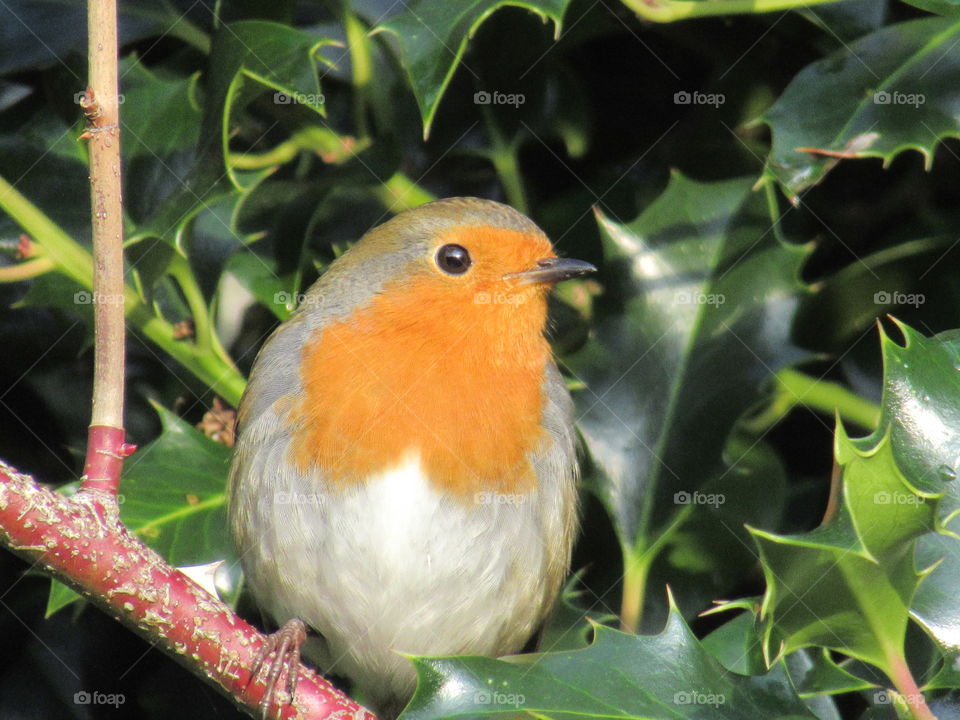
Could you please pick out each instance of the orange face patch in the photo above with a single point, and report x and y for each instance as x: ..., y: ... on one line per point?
x: 450, y: 367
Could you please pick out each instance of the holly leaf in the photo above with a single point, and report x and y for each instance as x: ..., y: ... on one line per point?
x: 921, y: 405
x: 892, y: 90
x: 849, y: 585
x: 923, y: 394
x: 432, y: 38
x: 619, y: 675
x: 696, y: 288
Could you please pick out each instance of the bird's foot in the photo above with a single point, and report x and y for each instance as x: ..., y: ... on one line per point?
x: 285, y: 646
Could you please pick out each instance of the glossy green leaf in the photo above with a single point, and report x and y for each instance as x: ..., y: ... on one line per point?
x: 669, y: 675
x: 893, y: 90
x: 737, y: 644
x: 260, y: 278
x: 432, y: 39
x: 695, y: 289
x: 921, y: 405
x: 175, y: 494
x: 935, y: 605
x: 923, y: 386
x: 850, y: 584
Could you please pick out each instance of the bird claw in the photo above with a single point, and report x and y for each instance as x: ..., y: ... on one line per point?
x: 285, y: 646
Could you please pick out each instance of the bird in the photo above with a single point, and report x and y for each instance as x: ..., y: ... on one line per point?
x: 404, y: 479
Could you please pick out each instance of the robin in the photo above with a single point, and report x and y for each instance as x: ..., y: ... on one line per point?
x: 404, y: 480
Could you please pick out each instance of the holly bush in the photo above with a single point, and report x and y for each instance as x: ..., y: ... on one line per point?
x: 765, y: 368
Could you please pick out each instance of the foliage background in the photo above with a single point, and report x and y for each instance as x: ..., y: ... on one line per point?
x: 664, y: 153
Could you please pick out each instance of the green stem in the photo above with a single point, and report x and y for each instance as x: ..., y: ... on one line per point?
x: 206, y: 337
x: 508, y: 170
x: 503, y: 155
x: 672, y: 10
x: 908, y: 693
x: 362, y: 64
x: 827, y: 397
x: 282, y: 153
x: 637, y: 562
x: 74, y: 261
x: 796, y: 388
x: 634, y: 590
x: 330, y: 147
x: 180, y: 271
x: 401, y: 193
x: 26, y: 270
x: 773, y: 207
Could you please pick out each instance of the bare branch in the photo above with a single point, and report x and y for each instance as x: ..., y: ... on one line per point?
x: 81, y: 541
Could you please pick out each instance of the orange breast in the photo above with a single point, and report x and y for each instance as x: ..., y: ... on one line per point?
x: 457, y: 381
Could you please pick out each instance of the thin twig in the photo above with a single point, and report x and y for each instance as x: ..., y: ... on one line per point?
x: 101, y: 105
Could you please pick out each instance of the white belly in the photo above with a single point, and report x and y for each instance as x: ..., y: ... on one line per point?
x: 392, y: 565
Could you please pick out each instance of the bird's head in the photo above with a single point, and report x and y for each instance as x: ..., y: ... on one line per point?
x: 434, y: 324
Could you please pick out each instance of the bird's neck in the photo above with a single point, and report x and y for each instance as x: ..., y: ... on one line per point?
x: 458, y: 384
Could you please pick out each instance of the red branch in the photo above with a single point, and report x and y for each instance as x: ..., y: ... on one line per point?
x: 81, y: 541
x: 105, y: 453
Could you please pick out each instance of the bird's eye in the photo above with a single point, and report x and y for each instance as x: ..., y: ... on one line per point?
x: 453, y: 259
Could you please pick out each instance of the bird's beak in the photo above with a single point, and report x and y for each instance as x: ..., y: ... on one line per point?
x: 552, y: 270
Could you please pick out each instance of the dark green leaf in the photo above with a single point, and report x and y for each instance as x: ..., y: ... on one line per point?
x: 697, y: 288
x: 432, y: 38
x: 893, y: 90
x: 669, y: 675
x: 848, y: 584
